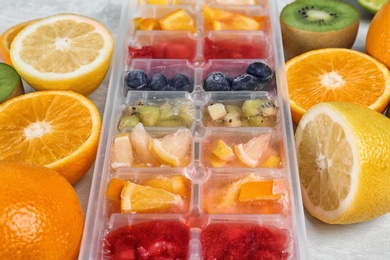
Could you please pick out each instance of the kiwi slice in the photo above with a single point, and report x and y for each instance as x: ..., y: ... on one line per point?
x: 311, y: 24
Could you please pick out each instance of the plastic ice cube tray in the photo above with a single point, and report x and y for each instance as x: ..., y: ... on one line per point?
x: 228, y: 205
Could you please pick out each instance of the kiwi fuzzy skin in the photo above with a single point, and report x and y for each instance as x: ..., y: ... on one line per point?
x: 297, y: 41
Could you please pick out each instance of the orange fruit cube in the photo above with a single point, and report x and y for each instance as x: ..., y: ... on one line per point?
x: 258, y: 190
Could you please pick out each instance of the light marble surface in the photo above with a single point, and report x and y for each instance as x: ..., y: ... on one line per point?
x: 369, y: 240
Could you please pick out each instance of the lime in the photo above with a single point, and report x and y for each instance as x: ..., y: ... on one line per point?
x: 372, y: 6
x: 10, y: 82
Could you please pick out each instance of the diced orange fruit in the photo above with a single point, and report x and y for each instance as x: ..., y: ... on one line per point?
x: 162, y: 2
x: 272, y: 162
x: 137, y: 21
x: 149, y: 24
x: 235, y: 2
x: 249, y: 153
x: 122, y: 153
x: 258, y: 190
x: 178, y: 20
x: 230, y: 194
x: 114, y: 189
x: 175, y: 184
x: 215, y: 161
x: 212, y: 13
x: 219, y: 19
x: 236, y: 22
x: 140, y: 198
x: 223, y: 151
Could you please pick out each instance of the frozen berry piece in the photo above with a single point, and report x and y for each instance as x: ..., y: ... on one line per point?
x: 144, y: 52
x: 158, y: 82
x: 245, y: 82
x: 260, y: 70
x: 217, y: 81
x: 180, y: 82
x: 168, y: 88
x: 137, y: 80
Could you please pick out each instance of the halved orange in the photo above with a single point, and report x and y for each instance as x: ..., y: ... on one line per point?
x: 56, y: 129
x: 7, y: 37
x: 336, y: 74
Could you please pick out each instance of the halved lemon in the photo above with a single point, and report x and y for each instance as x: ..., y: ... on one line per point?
x: 343, y: 160
x: 140, y: 198
x: 63, y: 52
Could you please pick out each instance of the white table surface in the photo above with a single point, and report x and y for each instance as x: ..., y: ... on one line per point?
x: 369, y: 240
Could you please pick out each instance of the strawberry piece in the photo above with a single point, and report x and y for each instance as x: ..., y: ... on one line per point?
x: 243, y: 241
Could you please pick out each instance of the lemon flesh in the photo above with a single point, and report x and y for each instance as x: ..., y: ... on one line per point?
x: 343, y: 152
x: 63, y: 52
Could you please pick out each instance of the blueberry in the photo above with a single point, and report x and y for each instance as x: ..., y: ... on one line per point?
x: 168, y: 88
x: 137, y: 79
x: 217, y: 81
x: 260, y: 70
x: 158, y: 82
x: 180, y: 82
x: 245, y: 82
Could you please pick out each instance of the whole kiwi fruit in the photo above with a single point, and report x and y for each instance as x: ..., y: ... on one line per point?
x: 314, y: 24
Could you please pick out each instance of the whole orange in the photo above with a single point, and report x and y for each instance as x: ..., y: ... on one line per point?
x: 40, y: 214
x: 378, y: 35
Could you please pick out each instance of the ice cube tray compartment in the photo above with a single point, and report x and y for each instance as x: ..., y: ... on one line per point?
x: 209, y: 188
